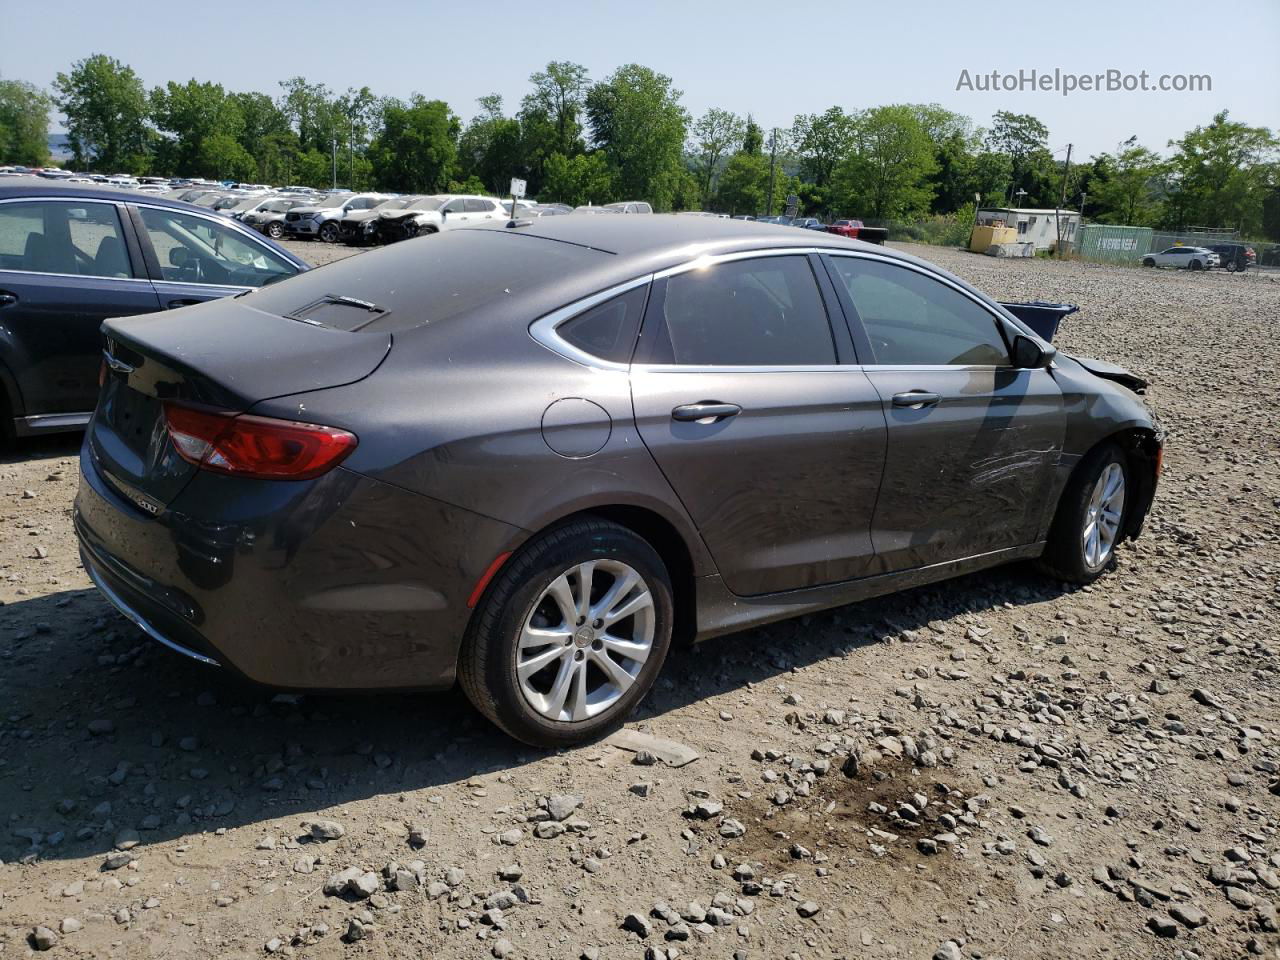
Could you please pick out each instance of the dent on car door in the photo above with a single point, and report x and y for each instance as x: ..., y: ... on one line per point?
x: 774, y: 448
x: 972, y: 441
x: 65, y: 266
x: 194, y: 258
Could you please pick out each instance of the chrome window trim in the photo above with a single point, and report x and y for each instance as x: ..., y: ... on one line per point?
x: 77, y: 276
x: 543, y: 330
x: 642, y: 368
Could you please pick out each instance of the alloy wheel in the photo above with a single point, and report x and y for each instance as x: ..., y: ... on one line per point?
x: 1103, y: 515
x: 586, y: 640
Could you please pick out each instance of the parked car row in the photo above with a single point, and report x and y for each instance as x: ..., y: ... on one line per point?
x: 1231, y: 257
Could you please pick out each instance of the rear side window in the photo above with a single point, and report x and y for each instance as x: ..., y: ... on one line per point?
x: 608, y: 330
x: 416, y: 283
x: 478, y: 206
x: 912, y: 319
x: 56, y: 237
x: 760, y: 312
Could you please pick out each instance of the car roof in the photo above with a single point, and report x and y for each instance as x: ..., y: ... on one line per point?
x: 55, y: 189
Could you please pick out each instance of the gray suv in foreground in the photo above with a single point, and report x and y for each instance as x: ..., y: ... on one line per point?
x: 527, y: 458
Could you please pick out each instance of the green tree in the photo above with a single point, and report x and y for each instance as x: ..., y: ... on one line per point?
x: 24, y: 123
x: 492, y: 148
x: 752, y: 137
x: 191, y: 113
x: 744, y: 185
x: 715, y: 134
x: 822, y: 141
x: 559, y: 96
x: 887, y: 174
x: 1223, y: 171
x: 637, y: 122
x: 1025, y: 141
x: 416, y: 151
x: 1123, y: 186
x: 314, y: 113
x: 105, y: 106
x: 584, y: 178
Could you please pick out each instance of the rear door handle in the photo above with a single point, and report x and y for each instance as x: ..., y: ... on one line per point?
x: 7, y: 299
x: 708, y: 411
x: 182, y: 302
x: 916, y: 399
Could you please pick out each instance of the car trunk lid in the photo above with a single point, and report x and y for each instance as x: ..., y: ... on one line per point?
x: 225, y: 356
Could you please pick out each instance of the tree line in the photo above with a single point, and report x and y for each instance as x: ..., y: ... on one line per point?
x: 628, y: 137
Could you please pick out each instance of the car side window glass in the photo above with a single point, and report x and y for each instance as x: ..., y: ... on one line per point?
x: 607, y: 330
x: 759, y: 312
x: 454, y: 206
x: 195, y: 250
x: 477, y: 206
x: 56, y: 237
x: 915, y: 320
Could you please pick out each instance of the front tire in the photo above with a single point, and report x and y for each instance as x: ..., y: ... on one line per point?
x: 571, y: 634
x: 1197, y: 265
x: 275, y: 231
x: 1091, y: 518
x: 1232, y: 267
x: 1148, y: 262
x: 330, y: 232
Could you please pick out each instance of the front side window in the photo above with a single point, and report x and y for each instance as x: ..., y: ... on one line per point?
x: 54, y: 237
x: 196, y: 250
x: 478, y: 206
x: 760, y: 312
x: 915, y: 320
x: 455, y: 206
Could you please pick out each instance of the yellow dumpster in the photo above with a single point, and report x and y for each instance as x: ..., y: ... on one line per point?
x: 984, y: 237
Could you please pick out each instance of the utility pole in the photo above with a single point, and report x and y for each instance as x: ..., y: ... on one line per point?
x: 1057, y: 213
x: 351, y: 153
x: 773, y: 163
x: 335, y: 163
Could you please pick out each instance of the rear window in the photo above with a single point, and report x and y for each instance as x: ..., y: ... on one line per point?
x: 423, y: 281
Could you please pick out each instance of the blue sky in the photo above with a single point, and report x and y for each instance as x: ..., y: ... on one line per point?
x: 768, y: 58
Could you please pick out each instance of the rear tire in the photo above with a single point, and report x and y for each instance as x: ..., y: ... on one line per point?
x: 1090, y: 520
x: 541, y: 670
x: 330, y: 232
x: 275, y: 231
x: 1148, y: 262
x: 1197, y: 265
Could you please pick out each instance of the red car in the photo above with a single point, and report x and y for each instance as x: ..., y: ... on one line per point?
x: 855, y: 230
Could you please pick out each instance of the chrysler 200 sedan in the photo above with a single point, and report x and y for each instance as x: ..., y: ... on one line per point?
x: 528, y: 458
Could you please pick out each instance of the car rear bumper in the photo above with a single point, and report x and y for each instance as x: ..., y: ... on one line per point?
x: 341, y: 583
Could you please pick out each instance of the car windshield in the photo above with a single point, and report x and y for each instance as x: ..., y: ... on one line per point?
x: 427, y: 203
x: 411, y: 285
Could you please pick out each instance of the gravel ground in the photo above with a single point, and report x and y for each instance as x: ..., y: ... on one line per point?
x: 994, y: 767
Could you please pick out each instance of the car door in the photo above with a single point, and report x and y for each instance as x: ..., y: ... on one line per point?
x: 773, y: 445
x: 66, y: 265
x: 195, y: 257
x: 454, y: 213
x: 973, y: 442
x: 480, y: 210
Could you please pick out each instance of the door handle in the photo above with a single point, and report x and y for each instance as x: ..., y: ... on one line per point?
x: 8, y: 299
x: 182, y: 302
x: 916, y: 399
x: 708, y: 411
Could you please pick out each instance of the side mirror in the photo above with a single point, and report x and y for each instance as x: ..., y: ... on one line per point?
x: 1029, y: 355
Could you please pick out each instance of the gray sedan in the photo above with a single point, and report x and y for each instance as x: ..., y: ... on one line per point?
x: 530, y: 458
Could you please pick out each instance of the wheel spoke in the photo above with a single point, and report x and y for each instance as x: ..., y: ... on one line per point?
x: 639, y: 652
x: 617, y: 676
x: 641, y: 601
x: 527, y: 668
x: 578, y: 699
x: 562, y: 594
x: 586, y: 571
x: 559, y: 691
x: 532, y: 637
x: 621, y: 587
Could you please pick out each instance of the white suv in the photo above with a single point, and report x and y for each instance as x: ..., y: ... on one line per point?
x: 443, y: 212
x: 322, y: 219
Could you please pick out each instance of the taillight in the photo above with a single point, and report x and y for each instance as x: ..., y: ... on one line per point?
x: 261, y: 447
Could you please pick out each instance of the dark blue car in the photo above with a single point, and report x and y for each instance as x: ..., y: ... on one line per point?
x: 72, y: 257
